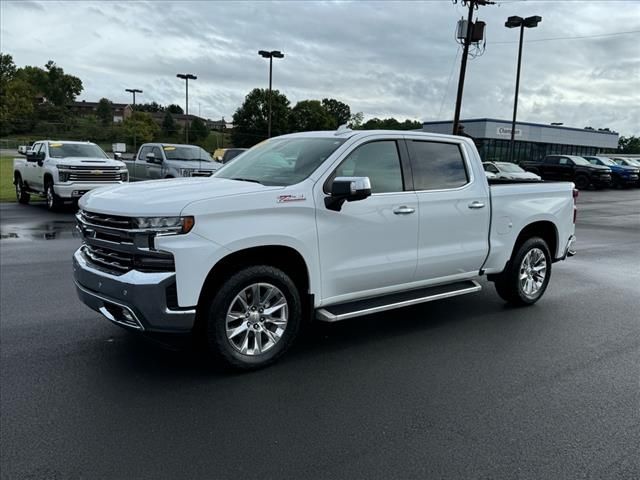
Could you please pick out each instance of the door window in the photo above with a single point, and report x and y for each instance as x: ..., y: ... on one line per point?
x: 143, y: 153
x: 437, y: 166
x: 379, y: 161
x: 157, y: 152
x: 564, y: 161
x: 491, y: 168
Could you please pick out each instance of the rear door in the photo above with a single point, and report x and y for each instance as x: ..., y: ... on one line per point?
x: 454, y: 210
x: 140, y: 167
x: 565, y: 169
x: 550, y: 168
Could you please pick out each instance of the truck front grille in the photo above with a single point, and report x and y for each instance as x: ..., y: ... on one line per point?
x: 95, y: 174
x: 113, y: 243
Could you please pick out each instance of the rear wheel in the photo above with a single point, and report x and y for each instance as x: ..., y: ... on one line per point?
x: 253, y: 318
x: 525, y: 279
x: 582, y: 182
x: 22, y: 195
x: 54, y: 203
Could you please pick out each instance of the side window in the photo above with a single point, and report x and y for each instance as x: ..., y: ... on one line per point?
x: 491, y: 168
x: 437, y: 166
x: 564, y: 161
x: 157, y: 152
x: 552, y: 160
x: 379, y: 161
x: 143, y: 153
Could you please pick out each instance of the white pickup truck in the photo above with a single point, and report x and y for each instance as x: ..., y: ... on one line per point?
x: 315, y: 225
x: 63, y: 171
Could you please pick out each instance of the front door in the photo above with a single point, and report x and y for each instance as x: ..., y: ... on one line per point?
x: 454, y: 211
x: 369, y: 245
x: 155, y: 170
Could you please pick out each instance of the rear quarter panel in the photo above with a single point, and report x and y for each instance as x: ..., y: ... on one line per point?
x: 516, y: 206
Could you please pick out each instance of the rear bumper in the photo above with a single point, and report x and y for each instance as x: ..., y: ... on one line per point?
x: 569, y: 249
x: 77, y: 189
x: 134, y: 300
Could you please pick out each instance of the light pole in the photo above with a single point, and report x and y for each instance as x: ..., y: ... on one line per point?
x: 133, y: 108
x: 270, y: 55
x: 514, y: 22
x: 186, y: 77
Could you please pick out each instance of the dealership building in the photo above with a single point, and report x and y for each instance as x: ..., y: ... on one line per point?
x: 532, y: 140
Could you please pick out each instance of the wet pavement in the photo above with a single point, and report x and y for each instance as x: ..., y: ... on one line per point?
x: 461, y: 388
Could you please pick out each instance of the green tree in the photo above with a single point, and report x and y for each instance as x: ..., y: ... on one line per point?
x: 198, y: 130
x: 17, y: 110
x: 149, y: 107
x: 175, y: 109
x: 356, y: 120
x: 310, y: 115
x: 7, y: 70
x: 104, y: 111
x: 390, y: 124
x: 250, y: 120
x: 629, y: 145
x: 169, y: 127
x: 339, y: 111
x: 141, y: 126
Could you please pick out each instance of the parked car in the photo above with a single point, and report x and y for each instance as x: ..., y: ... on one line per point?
x: 169, y: 160
x: 570, y: 168
x: 360, y: 222
x: 509, y: 171
x: 622, y: 175
x: 231, y: 153
x: 63, y: 171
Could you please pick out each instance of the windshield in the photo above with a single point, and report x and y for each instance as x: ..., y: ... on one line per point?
x: 175, y: 152
x: 510, y: 168
x: 607, y: 161
x: 67, y: 150
x: 580, y: 161
x: 281, y: 161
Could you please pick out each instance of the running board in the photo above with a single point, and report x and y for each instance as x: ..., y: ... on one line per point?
x: 358, y: 308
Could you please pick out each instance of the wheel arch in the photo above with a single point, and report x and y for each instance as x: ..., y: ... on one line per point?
x: 544, y: 229
x: 285, y: 258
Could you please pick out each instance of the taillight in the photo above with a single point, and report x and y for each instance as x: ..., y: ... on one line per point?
x: 575, y: 208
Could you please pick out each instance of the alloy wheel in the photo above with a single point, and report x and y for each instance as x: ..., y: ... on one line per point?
x: 533, y: 272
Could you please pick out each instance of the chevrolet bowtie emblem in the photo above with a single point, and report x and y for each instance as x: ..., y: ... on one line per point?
x: 96, y: 172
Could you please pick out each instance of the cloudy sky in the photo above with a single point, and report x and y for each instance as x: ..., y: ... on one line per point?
x: 382, y: 58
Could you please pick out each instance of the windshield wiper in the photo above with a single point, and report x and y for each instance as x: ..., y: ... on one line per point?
x: 253, y: 180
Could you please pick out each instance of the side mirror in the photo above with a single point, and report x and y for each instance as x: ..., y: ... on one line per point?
x: 117, y: 155
x: 347, y: 189
x: 22, y: 149
x: 151, y: 158
x: 31, y: 156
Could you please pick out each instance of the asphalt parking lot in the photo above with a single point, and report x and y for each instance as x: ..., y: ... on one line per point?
x: 461, y: 388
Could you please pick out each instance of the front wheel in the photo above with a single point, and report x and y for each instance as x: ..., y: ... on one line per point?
x: 582, y: 182
x: 22, y: 195
x: 525, y: 279
x: 54, y: 203
x: 253, y: 318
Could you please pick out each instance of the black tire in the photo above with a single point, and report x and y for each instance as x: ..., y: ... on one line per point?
x: 582, y: 182
x: 54, y: 203
x: 509, y: 285
x: 223, y: 348
x: 22, y: 196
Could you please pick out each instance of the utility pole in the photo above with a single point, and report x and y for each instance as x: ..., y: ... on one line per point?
x: 465, y: 54
x: 133, y: 108
x: 186, y: 77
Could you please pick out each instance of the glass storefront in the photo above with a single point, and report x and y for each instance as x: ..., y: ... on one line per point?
x: 493, y: 150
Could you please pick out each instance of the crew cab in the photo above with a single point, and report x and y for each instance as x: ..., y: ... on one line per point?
x: 315, y: 225
x: 570, y: 168
x: 170, y: 160
x: 64, y: 171
x: 623, y: 176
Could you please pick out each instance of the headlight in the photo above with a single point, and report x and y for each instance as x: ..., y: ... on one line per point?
x: 124, y: 175
x: 186, y: 172
x: 63, y: 173
x: 177, y: 225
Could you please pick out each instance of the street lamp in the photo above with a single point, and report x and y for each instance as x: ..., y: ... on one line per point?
x: 133, y: 91
x: 186, y: 77
x: 514, y: 22
x: 270, y: 55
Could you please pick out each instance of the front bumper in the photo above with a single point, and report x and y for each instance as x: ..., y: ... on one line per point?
x: 601, y: 180
x: 134, y: 300
x: 77, y: 189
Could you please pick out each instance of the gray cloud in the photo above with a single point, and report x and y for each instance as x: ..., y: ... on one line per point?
x: 383, y: 58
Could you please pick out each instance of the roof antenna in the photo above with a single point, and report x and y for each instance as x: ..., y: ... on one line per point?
x: 344, y: 128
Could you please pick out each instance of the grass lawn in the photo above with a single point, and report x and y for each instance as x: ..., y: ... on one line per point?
x: 7, y: 190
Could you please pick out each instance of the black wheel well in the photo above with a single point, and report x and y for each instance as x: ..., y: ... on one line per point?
x: 47, y: 177
x: 284, y: 258
x: 543, y: 229
x: 16, y: 176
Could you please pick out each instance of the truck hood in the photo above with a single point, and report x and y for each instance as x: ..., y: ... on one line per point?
x: 163, y: 197
x: 89, y: 162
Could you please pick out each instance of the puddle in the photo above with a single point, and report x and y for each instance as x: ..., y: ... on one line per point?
x: 54, y: 230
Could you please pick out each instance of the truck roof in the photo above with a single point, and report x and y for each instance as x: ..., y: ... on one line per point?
x: 363, y: 133
x: 76, y: 142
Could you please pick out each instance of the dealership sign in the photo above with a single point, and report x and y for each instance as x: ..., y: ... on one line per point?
x: 507, y: 131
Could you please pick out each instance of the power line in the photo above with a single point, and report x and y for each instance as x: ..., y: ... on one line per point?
x: 572, y: 38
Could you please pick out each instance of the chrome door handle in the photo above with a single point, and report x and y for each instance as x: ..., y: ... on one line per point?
x: 476, y: 205
x: 404, y: 210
